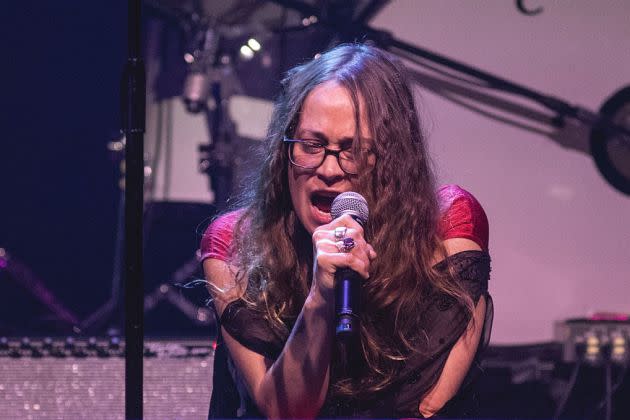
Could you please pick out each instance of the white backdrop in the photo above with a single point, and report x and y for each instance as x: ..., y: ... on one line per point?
x: 558, y: 233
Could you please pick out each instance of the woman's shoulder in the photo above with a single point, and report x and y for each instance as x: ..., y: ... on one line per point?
x: 462, y: 216
x: 225, y: 221
x: 217, y: 238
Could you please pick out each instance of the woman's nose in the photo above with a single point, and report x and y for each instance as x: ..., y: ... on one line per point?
x: 330, y: 169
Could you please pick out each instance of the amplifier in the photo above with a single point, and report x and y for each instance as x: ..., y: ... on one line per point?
x: 77, y: 379
x: 594, y: 340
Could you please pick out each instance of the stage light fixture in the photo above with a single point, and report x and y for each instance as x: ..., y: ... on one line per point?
x: 254, y: 44
x: 246, y: 52
x: 593, y: 351
x: 619, y: 349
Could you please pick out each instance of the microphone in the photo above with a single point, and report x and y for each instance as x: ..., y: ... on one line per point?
x: 197, y: 84
x: 348, y: 282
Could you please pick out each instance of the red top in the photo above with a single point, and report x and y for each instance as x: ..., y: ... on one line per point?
x: 462, y: 217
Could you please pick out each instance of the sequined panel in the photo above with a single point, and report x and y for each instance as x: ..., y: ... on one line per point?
x: 177, y: 384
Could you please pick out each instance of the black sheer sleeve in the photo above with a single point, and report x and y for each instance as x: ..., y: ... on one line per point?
x: 445, y: 320
x: 251, y: 330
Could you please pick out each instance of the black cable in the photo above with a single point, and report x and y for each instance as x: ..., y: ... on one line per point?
x: 119, y: 250
x: 492, y: 115
x: 168, y: 152
x: 423, y: 63
x: 370, y: 10
x: 569, y: 389
x: 613, y: 388
x: 608, y: 392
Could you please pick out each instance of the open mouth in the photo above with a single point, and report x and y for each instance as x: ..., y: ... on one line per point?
x: 322, y: 201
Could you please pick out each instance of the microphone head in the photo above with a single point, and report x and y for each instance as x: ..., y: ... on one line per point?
x: 351, y: 203
x: 196, y: 91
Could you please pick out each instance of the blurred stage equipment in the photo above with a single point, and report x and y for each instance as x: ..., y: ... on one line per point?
x: 65, y: 377
x: 213, y: 87
x: 39, y: 310
x: 171, y: 236
x: 610, y: 149
x: 206, y: 79
x: 253, y: 42
x: 533, y: 381
x: 226, y: 71
x: 610, y: 128
x: 524, y: 10
x: 600, y: 342
x: 595, y: 341
x: 55, y: 378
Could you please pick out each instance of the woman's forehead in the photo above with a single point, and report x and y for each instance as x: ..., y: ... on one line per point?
x: 329, y: 108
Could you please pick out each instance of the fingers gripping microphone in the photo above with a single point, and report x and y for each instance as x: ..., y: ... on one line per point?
x: 348, y: 282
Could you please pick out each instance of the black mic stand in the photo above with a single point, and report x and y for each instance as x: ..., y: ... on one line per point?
x: 217, y: 157
x: 133, y: 90
x: 213, y: 66
x: 208, y: 69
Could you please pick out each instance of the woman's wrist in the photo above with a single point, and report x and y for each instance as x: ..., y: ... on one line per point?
x: 320, y: 299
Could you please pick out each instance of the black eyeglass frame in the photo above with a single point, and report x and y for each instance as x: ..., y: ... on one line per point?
x: 327, y: 151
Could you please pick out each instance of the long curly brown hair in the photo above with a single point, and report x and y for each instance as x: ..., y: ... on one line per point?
x: 273, y: 252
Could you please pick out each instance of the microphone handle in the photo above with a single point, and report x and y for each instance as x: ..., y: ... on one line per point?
x: 347, y: 303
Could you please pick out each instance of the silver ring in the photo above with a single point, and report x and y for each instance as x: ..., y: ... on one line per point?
x: 340, y: 232
x: 345, y: 245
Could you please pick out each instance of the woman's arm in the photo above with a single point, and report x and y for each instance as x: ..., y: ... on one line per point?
x: 295, y: 385
x: 463, y: 352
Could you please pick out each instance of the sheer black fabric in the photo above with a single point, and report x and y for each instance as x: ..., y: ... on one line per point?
x: 443, y: 321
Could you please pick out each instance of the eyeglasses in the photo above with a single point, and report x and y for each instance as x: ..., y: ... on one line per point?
x: 311, y: 154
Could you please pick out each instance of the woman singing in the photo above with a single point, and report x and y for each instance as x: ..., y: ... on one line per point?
x: 347, y: 121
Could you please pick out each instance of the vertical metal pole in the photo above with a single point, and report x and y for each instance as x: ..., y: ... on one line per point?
x: 133, y: 119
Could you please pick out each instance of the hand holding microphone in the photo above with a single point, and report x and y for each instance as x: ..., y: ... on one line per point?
x: 347, y: 280
x: 342, y: 260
